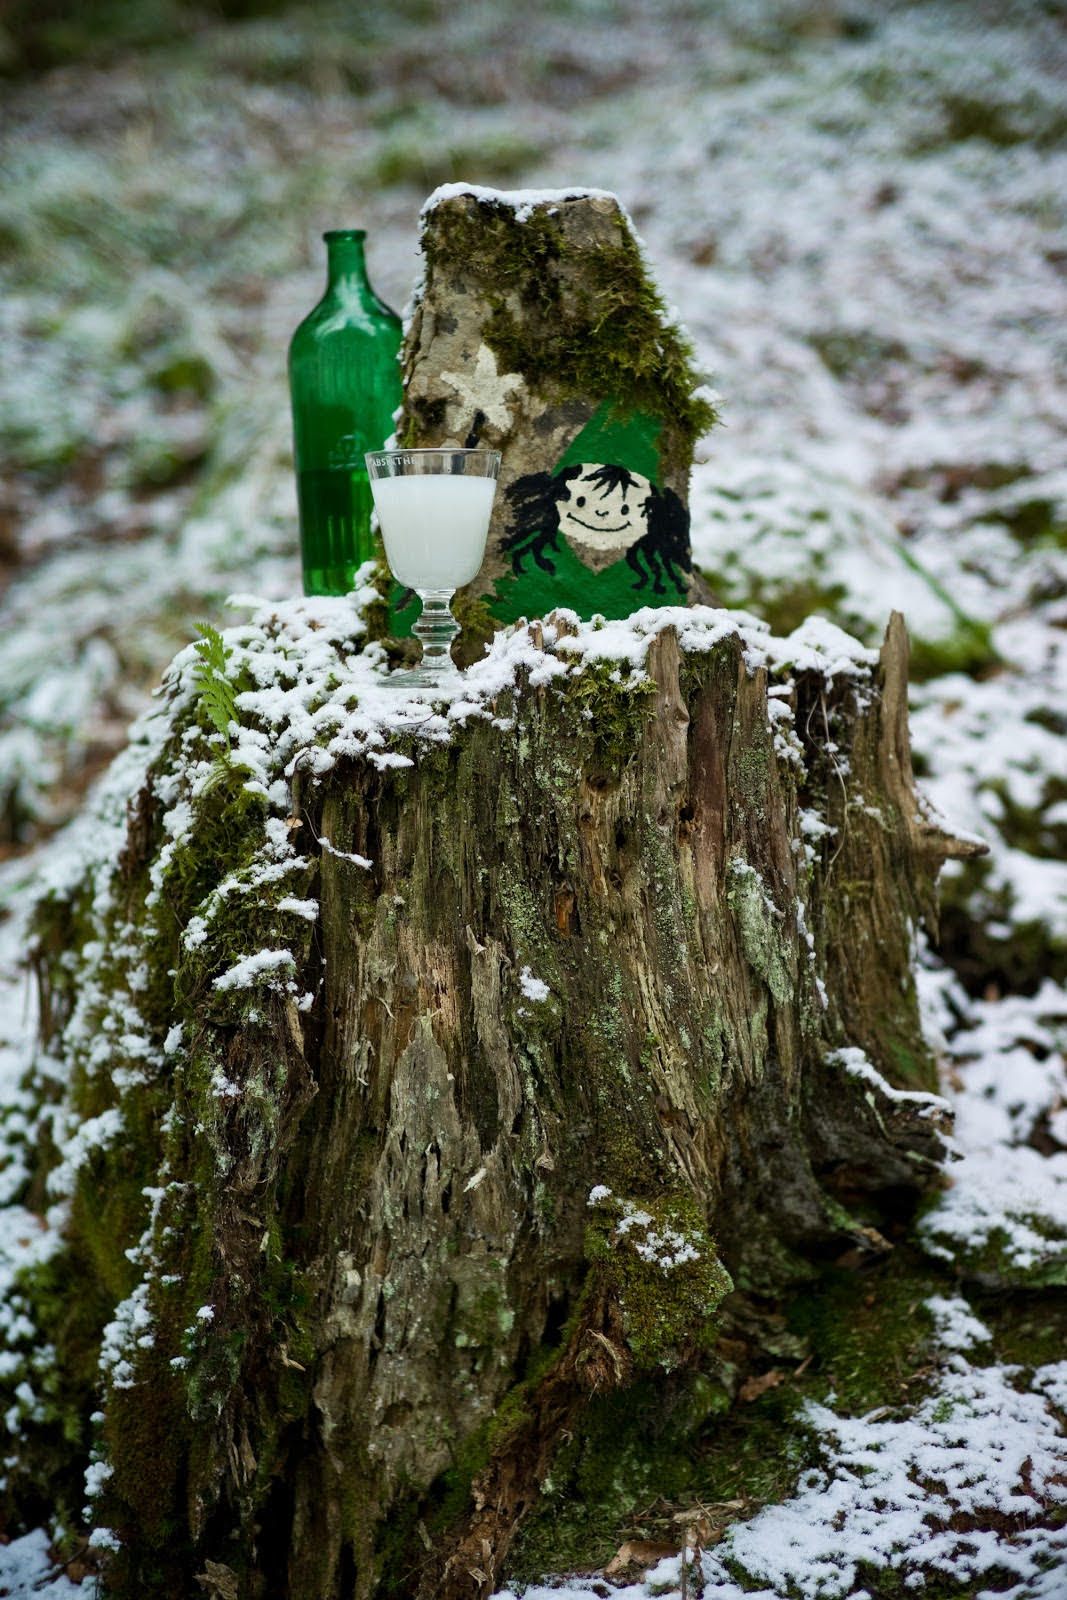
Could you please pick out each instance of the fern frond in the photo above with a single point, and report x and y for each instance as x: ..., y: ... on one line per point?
x: 221, y: 771
x: 216, y: 691
x: 212, y: 648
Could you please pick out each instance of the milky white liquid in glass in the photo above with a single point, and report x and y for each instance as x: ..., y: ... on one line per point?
x: 434, y: 526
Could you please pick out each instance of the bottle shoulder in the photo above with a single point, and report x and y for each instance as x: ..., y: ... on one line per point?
x: 331, y: 320
x: 386, y: 313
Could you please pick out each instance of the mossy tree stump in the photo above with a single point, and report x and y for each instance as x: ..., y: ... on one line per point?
x: 416, y: 1077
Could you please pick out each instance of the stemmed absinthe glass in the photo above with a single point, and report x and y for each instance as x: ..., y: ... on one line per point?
x: 433, y: 509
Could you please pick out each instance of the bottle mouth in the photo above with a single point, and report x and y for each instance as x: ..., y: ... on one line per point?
x: 344, y: 233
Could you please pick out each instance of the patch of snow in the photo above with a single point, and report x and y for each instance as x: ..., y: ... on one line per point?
x: 533, y: 988
x: 104, y: 1539
x: 890, y: 1491
x: 29, y: 1572
x: 523, y: 202
x: 1008, y: 1066
x: 97, y: 1474
x: 264, y: 966
x: 345, y: 855
x: 957, y: 1327
x: 95, y: 1133
x: 307, y: 909
x: 129, y: 1325
x: 658, y: 1244
x: 857, y: 1065
x: 781, y: 527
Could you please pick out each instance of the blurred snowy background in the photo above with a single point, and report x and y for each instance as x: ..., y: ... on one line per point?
x: 859, y: 211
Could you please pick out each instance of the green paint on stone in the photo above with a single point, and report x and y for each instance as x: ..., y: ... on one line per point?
x: 598, y: 533
x: 625, y: 439
x: 593, y: 569
x: 612, y: 593
x: 404, y: 609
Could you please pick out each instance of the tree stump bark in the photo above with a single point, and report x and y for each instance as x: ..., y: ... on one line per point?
x: 415, y: 1077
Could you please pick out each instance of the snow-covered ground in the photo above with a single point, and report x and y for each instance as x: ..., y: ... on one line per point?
x: 887, y: 1495
x: 859, y: 212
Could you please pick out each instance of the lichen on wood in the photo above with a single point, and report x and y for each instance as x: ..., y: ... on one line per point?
x: 435, y: 1072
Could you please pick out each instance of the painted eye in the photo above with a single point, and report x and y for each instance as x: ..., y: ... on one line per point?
x: 580, y: 500
x: 626, y: 511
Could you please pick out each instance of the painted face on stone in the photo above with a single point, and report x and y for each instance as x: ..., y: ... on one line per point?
x: 602, y: 513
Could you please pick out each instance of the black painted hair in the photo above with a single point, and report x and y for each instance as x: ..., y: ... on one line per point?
x: 534, y: 503
x: 668, y: 526
x: 608, y: 478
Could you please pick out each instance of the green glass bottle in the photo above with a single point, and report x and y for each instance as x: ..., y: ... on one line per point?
x: 344, y: 379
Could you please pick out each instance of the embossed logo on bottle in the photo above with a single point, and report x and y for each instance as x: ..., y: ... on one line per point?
x: 347, y: 451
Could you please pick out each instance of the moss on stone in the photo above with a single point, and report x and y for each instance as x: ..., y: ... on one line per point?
x: 608, y: 337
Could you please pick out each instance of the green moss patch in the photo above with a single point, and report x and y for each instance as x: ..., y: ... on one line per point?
x: 657, y: 1262
x: 610, y: 337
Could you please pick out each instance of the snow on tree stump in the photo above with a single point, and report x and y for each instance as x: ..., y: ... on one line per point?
x: 539, y: 331
x: 410, y: 1077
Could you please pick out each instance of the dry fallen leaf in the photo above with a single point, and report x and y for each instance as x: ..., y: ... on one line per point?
x: 700, y: 1531
x: 752, y: 1388
x: 637, y: 1553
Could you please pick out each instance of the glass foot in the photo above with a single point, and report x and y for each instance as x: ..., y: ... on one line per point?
x: 422, y: 677
x: 435, y: 630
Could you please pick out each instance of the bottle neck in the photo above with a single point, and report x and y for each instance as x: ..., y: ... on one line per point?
x: 346, y: 268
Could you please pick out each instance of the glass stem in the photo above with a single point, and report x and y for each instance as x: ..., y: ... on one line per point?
x: 436, y: 628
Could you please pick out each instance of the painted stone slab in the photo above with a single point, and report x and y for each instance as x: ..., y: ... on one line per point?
x: 538, y: 331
